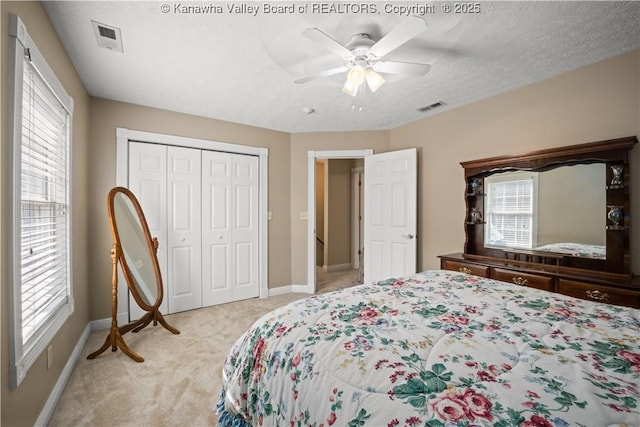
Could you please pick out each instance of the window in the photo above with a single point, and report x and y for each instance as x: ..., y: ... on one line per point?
x: 510, y: 210
x: 41, y: 289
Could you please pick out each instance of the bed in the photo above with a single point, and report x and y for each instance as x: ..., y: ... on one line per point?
x: 576, y: 250
x: 439, y: 348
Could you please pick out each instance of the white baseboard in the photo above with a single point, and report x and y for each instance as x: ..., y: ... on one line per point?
x: 280, y: 290
x: 301, y: 289
x: 337, y: 267
x: 103, y: 324
x: 289, y: 289
x: 56, y: 393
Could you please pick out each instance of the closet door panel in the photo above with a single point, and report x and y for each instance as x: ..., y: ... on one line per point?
x: 217, y: 275
x: 184, y: 287
x: 148, y: 181
x: 245, y: 226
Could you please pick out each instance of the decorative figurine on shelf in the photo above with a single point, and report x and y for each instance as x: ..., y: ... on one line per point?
x: 475, y: 217
x: 617, y: 174
x: 474, y: 186
x: 616, y: 214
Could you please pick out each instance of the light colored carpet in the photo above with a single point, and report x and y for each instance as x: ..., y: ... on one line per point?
x: 179, y: 382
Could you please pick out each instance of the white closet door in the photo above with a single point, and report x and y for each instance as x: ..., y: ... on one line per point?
x: 230, y: 227
x: 148, y: 182
x: 184, y: 277
x: 217, y: 272
x: 245, y: 223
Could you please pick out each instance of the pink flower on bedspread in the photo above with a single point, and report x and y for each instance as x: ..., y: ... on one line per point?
x: 536, y: 421
x: 332, y: 418
x: 633, y: 358
x: 458, y: 320
x: 258, y: 348
x: 296, y: 360
x: 367, y: 315
x: 477, y: 404
x: 450, y: 408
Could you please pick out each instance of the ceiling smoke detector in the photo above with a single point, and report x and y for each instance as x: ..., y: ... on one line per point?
x: 108, y: 37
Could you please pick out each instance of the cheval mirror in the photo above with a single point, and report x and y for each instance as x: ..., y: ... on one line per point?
x: 135, y: 250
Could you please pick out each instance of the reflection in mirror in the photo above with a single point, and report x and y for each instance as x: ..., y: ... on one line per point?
x: 135, y: 251
x: 560, y: 210
x: 136, y: 254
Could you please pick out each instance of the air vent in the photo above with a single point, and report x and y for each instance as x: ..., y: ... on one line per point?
x: 107, y: 36
x: 432, y: 106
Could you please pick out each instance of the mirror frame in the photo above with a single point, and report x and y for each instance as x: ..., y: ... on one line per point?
x: 151, y: 244
x: 611, y: 152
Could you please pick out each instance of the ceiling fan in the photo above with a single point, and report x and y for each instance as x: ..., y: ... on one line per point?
x: 364, y: 57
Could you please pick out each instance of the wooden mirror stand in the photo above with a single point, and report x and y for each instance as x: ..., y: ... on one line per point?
x: 136, y: 252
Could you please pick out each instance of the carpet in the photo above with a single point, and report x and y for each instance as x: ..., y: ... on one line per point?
x: 179, y: 382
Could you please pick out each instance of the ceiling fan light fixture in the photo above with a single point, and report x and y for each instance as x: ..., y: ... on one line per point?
x: 356, y: 75
x: 349, y: 88
x: 374, y: 80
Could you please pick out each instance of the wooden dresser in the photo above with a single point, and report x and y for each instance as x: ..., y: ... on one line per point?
x: 604, y: 275
x: 590, y: 285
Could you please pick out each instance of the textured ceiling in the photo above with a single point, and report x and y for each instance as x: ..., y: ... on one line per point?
x: 238, y: 67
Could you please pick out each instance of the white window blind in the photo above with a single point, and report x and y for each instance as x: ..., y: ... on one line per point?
x: 510, y: 213
x: 43, y: 225
x: 41, y: 121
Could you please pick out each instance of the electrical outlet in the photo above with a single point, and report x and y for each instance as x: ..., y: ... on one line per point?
x: 304, y: 215
x: 49, y: 356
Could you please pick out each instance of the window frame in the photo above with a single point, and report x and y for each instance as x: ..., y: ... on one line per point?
x: 510, y: 177
x: 24, y: 354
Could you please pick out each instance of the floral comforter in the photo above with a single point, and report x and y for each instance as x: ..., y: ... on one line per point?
x: 576, y: 249
x: 436, y: 349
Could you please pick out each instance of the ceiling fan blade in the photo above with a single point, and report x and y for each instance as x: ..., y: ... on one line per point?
x: 406, y: 68
x: 328, y: 42
x: 326, y: 73
x: 401, y: 34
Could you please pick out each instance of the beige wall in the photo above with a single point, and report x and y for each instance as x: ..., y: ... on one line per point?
x: 338, y: 213
x: 571, y: 205
x: 106, y: 116
x: 301, y: 144
x: 597, y: 102
x: 22, y: 406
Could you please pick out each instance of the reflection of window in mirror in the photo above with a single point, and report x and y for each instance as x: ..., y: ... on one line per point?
x: 511, y: 210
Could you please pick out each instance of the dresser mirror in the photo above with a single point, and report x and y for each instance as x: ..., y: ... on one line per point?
x: 559, y: 210
x: 565, y: 207
x: 135, y: 251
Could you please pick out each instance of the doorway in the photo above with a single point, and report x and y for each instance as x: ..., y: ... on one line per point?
x: 313, y: 245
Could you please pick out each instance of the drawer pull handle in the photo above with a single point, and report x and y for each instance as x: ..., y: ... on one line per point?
x: 598, y: 296
x: 520, y: 281
x: 464, y: 270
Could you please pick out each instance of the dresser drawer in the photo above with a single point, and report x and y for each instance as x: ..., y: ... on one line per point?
x: 463, y: 267
x: 600, y: 293
x: 524, y: 279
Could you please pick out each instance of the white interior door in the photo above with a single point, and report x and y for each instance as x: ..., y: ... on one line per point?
x: 148, y: 182
x: 230, y: 227
x: 184, y: 273
x: 390, y: 214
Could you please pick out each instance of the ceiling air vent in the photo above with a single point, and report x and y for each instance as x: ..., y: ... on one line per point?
x: 107, y: 36
x: 432, y: 106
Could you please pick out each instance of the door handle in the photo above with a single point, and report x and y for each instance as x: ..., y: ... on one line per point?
x: 408, y: 236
